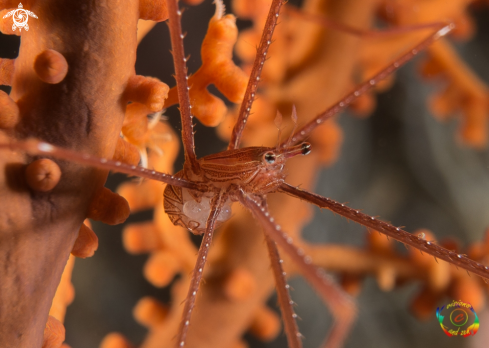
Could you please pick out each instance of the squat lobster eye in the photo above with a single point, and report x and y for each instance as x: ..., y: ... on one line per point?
x: 269, y: 157
x: 306, y: 148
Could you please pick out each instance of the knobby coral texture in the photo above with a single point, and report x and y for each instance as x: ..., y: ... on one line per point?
x: 71, y: 82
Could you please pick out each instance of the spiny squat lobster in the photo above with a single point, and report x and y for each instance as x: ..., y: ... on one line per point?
x: 200, y: 196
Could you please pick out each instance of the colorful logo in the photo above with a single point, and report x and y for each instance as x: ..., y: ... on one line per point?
x: 20, y: 17
x: 458, y: 319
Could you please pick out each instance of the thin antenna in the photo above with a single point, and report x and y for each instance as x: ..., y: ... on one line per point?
x: 278, y: 124
x: 293, y: 116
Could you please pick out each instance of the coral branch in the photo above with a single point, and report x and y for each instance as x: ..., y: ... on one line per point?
x: 217, y: 68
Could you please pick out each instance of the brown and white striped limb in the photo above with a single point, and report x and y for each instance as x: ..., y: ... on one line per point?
x: 286, y: 304
x: 216, y: 204
x: 340, y: 304
x: 261, y: 55
x: 35, y: 147
x: 389, y: 230
x: 181, y: 77
x: 332, y: 111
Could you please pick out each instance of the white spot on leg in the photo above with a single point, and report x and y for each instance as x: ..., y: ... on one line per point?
x: 45, y: 147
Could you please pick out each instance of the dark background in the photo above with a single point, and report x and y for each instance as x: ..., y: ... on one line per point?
x: 399, y: 164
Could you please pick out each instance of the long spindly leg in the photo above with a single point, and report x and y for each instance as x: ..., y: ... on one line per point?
x: 304, y: 132
x: 181, y: 77
x: 285, y: 302
x: 397, y: 233
x: 341, y: 305
x: 261, y: 54
x: 35, y: 147
x: 216, y: 204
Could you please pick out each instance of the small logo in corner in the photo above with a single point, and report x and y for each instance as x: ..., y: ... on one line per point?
x: 20, y: 17
x: 458, y: 319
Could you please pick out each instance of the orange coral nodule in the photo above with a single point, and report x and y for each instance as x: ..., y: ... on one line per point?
x: 9, y: 111
x: 469, y: 289
x: 351, y: 283
x: 135, y: 126
x: 150, y: 312
x: 423, y: 306
x: 140, y: 196
x: 386, y: 277
x: 148, y: 91
x: 42, y: 175
x: 379, y: 243
x: 464, y: 27
x: 473, y: 130
x: 155, y: 10
x: 126, y: 152
x: 239, y: 285
x: 108, y: 207
x: 160, y: 268
x: 364, y: 105
x: 140, y: 238
x: 208, y: 108
x: 443, y: 104
x: 217, y: 57
x: 327, y: 142
x: 54, y: 333
x: 265, y: 325
x: 51, y: 66
x: 86, y: 243
x: 438, y: 272
x: 115, y: 340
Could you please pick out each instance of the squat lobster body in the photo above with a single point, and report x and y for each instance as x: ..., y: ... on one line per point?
x: 255, y: 170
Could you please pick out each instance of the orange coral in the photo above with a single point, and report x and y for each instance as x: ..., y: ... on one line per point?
x: 464, y: 93
x: 56, y: 79
x: 217, y: 68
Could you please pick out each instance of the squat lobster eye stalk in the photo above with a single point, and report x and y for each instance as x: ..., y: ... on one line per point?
x: 296, y: 150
